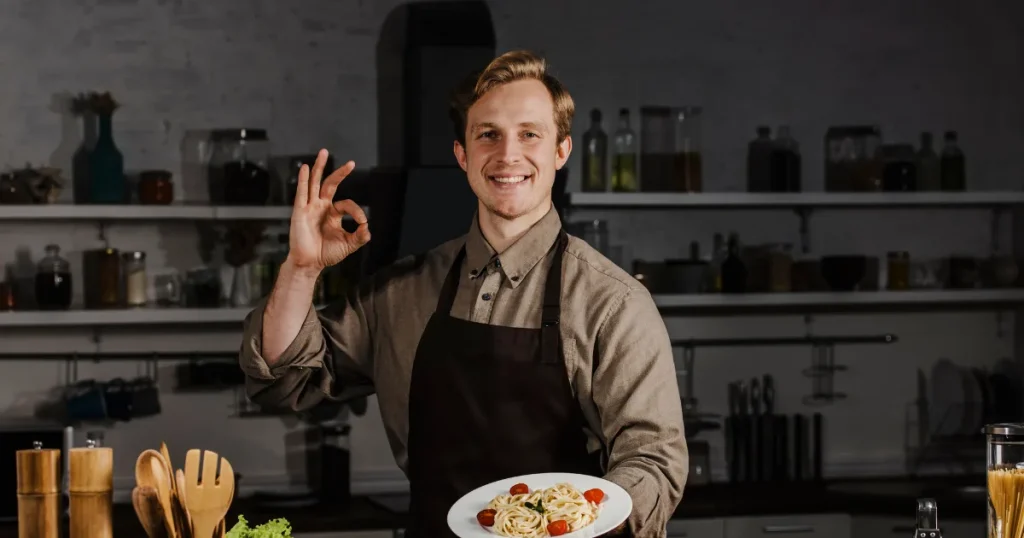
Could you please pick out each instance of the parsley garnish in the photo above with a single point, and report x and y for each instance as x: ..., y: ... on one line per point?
x: 539, y: 508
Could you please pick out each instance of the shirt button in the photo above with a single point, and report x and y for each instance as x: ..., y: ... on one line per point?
x: 515, y: 279
x: 486, y: 296
x: 497, y: 263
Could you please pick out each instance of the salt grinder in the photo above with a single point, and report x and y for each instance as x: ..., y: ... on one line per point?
x: 38, y: 492
x: 91, y: 490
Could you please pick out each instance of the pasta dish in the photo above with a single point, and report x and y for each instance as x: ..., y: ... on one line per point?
x: 553, y: 511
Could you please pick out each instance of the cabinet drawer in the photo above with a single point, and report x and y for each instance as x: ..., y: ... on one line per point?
x: 894, y: 527
x: 696, y: 528
x: 796, y: 526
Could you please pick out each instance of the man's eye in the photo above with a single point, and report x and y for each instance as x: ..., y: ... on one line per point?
x: 488, y: 134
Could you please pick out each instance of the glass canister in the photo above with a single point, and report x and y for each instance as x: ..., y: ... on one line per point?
x: 102, y: 271
x: 687, y: 160
x: 53, y: 281
x: 155, y: 187
x: 898, y: 271
x: 239, y: 161
x: 657, y: 147
x: 595, y: 233
x: 1004, y: 444
x: 133, y: 266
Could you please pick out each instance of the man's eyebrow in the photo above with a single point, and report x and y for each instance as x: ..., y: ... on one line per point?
x: 526, y: 124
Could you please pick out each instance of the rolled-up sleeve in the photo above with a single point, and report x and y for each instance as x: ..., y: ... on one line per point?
x: 636, y: 393
x: 330, y: 358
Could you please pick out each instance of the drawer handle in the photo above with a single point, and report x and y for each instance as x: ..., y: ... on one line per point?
x: 790, y: 529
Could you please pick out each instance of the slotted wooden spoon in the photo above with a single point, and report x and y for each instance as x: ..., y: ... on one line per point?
x: 209, y: 496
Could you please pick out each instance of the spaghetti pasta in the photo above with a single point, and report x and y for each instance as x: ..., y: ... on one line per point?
x: 1006, y: 494
x: 552, y: 511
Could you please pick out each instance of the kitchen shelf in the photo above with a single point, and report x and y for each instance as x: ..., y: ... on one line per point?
x: 809, y: 302
x: 123, y: 317
x: 180, y: 212
x: 805, y: 200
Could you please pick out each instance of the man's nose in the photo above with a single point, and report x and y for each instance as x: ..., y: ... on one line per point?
x: 509, y: 151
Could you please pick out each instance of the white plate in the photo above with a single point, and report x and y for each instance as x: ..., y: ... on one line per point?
x: 615, y: 508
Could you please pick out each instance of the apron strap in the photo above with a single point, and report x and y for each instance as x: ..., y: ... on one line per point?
x: 451, y: 285
x: 551, y: 336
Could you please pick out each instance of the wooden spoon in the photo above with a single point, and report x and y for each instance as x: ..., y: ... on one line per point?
x: 179, y: 482
x: 150, y: 513
x: 209, y: 498
x: 150, y: 472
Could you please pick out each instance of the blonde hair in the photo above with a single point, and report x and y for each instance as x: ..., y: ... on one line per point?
x: 511, y: 67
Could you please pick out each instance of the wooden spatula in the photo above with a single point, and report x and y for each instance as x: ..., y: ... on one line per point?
x: 150, y: 513
x: 209, y: 496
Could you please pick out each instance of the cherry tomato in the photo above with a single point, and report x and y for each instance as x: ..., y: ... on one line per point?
x: 593, y: 495
x: 486, y: 517
x: 519, y: 489
x: 558, y: 527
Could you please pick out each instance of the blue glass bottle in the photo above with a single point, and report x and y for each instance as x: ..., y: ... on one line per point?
x: 107, y: 183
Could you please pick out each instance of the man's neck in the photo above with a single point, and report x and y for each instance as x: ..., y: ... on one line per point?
x: 502, y: 233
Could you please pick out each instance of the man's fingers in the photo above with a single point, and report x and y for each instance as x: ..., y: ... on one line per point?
x: 348, y: 207
x: 317, y: 173
x: 330, y: 185
x: 302, y: 188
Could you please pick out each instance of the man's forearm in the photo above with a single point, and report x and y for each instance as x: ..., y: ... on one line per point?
x: 286, y: 310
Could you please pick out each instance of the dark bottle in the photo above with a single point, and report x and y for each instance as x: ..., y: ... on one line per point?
x: 952, y: 167
x: 759, y: 161
x: 595, y: 155
x: 785, y: 167
x: 928, y: 178
x: 734, y: 272
x: 53, y: 281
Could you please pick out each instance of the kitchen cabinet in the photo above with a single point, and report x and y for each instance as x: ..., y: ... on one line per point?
x: 696, y: 528
x: 892, y: 527
x: 795, y: 526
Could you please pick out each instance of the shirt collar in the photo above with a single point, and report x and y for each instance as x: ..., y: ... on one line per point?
x: 520, y: 257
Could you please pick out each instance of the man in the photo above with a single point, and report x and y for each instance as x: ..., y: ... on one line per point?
x: 515, y: 349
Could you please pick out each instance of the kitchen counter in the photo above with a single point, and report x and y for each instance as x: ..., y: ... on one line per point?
x: 874, y: 497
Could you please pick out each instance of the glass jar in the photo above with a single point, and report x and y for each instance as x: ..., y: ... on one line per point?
x: 133, y: 267
x: 656, y: 148
x: 687, y: 158
x: 595, y: 233
x: 239, y: 166
x: 898, y: 271
x: 53, y: 281
x: 899, y: 168
x: 1004, y: 444
x: 102, y: 270
x: 155, y: 187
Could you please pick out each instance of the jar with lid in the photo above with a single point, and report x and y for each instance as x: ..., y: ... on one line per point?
x: 239, y: 167
x: 687, y: 159
x: 898, y: 271
x: 1004, y: 444
x: 155, y: 187
x: 133, y: 266
x: 53, y: 281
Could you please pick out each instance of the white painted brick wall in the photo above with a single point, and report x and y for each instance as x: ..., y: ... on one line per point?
x: 306, y: 71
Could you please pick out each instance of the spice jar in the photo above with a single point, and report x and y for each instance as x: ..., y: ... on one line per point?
x: 53, y: 281
x: 898, y: 271
x: 102, y: 270
x: 155, y: 187
x: 133, y: 266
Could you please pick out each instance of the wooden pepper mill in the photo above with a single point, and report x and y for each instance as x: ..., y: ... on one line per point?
x: 91, y: 490
x: 38, y: 492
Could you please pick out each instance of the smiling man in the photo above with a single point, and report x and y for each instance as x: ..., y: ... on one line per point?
x: 515, y: 349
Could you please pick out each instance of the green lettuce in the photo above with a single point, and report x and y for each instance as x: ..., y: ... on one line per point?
x: 275, y: 528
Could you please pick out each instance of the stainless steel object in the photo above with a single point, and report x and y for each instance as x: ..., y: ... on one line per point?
x: 927, y: 519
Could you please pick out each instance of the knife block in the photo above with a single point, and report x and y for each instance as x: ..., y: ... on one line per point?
x: 91, y: 489
x: 38, y: 492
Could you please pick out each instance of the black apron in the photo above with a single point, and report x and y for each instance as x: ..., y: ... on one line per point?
x: 487, y: 403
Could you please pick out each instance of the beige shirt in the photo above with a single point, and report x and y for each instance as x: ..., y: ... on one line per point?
x: 617, y: 352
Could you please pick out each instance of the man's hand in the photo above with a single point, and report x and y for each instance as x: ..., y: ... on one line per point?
x: 317, y: 240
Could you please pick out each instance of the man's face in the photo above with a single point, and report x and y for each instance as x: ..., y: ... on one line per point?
x: 512, y: 149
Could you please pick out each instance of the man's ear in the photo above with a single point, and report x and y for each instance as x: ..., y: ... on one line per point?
x: 460, y: 155
x: 562, y: 152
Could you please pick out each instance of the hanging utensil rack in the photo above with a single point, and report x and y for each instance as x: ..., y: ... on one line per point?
x: 823, y: 365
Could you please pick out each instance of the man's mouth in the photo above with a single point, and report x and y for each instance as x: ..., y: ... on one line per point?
x: 509, y: 179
